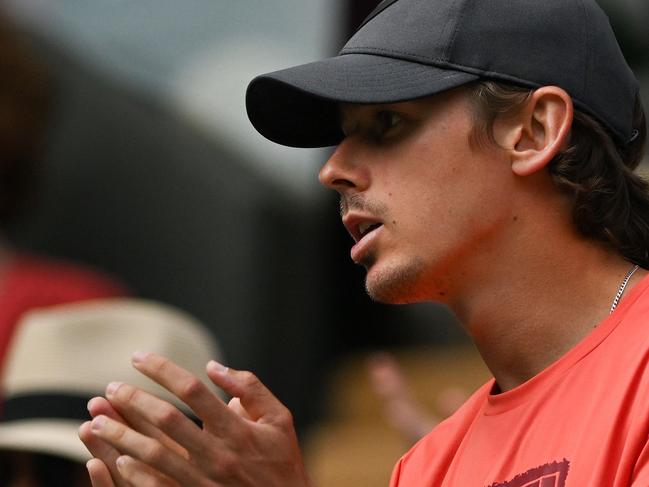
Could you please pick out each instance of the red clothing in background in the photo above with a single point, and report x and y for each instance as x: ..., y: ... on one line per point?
x: 30, y: 281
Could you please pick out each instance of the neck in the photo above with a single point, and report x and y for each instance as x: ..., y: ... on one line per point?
x: 543, y: 300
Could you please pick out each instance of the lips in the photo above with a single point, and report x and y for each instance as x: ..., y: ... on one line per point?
x: 363, y: 230
x: 359, y: 226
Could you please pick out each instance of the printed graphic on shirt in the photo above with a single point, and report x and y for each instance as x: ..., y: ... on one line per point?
x: 549, y: 475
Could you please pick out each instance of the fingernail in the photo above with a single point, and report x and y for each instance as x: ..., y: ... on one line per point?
x: 112, y: 388
x: 121, y: 461
x: 138, y: 357
x: 89, y: 405
x: 217, y: 367
x: 98, y: 423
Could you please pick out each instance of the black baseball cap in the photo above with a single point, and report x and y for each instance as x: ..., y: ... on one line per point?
x: 409, y: 49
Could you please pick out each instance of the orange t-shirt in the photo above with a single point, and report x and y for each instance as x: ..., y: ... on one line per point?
x: 582, y: 422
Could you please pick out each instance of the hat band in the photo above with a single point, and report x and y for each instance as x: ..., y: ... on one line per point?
x: 54, y: 405
x: 45, y: 405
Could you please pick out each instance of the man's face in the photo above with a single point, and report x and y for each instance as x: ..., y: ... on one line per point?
x: 421, y: 202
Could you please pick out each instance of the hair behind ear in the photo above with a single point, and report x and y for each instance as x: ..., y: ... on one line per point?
x: 610, y: 202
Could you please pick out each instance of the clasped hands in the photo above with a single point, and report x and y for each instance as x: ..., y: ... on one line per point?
x: 139, y: 440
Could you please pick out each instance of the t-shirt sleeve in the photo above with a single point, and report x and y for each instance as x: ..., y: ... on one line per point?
x: 396, y: 473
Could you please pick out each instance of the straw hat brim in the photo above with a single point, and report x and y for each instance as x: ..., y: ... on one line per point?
x: 59, y: 437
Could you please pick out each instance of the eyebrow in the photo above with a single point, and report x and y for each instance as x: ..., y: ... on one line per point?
x: 347, y: 110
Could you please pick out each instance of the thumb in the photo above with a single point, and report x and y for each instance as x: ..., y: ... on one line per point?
x: 256, y: 399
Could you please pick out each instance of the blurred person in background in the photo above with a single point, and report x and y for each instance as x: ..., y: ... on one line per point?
x: 485, y: 159
x: 29, y: 280
x: 401, y: 410
x: 60, y: 358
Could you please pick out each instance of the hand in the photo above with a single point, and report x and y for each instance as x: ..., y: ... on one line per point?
x: 401, y: 410
x: 141, y: 440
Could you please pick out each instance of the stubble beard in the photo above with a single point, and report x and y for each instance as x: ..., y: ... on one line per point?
x: 394, y: 285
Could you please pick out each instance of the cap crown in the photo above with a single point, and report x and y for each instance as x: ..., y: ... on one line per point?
x: 567, y: 43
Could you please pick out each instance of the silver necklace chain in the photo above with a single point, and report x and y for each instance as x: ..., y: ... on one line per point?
x: 620, y: 291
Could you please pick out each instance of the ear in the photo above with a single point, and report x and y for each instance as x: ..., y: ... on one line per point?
x: 539, y: 131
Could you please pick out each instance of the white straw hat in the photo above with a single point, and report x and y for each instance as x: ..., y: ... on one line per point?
x: 61, y: 356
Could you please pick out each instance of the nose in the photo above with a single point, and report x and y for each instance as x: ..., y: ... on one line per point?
x: 344, y: 171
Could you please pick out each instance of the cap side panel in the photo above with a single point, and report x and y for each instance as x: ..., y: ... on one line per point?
x: 377, y: 10
x: 612, y: 86
x: 458, y: 26
x: 532, y: 38
x: 415, y: 28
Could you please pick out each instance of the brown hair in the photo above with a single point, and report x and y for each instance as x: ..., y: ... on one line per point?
x: 610, y: 202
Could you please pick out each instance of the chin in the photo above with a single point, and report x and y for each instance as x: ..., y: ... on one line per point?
x: 395, y: 285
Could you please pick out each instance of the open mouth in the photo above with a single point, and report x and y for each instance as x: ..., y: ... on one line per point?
x: 359, y: 226
x: 367, y: 227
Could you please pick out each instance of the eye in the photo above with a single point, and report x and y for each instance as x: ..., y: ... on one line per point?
x: 386, y: 121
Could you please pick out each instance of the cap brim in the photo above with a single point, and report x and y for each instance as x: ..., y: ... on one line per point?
x: 298, y: 107
x: 57, y: 437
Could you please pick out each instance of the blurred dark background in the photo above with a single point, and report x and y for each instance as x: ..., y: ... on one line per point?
x: 150, y: 173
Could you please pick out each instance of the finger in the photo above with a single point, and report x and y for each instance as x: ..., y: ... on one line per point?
x: 105, y: 453
x: 189, y: 389
x: 386, y: 376
x: 235, y: 405
x: 155, y: 418
x: 100, y: 405
x: 146, y: 450
x: 256, y: 399
x: 99, y: 473
x: 140, y: 474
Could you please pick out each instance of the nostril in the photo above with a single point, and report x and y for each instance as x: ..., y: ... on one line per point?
x: 343, y: 183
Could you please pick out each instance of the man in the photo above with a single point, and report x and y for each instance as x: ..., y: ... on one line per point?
x: 485, y: 156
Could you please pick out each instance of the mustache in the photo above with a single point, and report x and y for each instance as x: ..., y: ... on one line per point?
x: 359, y: 203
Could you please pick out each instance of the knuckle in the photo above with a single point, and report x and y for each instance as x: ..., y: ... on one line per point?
x: 167, y: 416
x: 161, y: 367
x: 161, y: 364
x: 154, y: 454
x: 191, y: 389
x: 285, y: 418
x: 249, y: 379
x: 125, y: 393
x: 118, y: 433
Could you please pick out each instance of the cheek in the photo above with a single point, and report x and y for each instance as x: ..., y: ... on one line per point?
x: 452, y: 203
